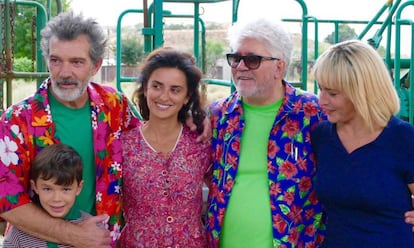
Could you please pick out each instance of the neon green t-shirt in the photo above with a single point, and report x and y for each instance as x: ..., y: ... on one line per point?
x: 74, y: 128
x: 248, y: 220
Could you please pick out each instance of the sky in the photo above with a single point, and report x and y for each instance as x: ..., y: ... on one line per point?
x: 107, y: 11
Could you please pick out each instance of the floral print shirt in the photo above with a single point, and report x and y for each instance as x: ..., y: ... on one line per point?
x: 163, y: 194
x: 296, y: 213
x: 27, y: 127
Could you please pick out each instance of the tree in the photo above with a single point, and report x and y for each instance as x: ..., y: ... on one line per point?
x: 214, y: 51
x: 24, y: 27
x: 345, y: 32
x: 132, y: 51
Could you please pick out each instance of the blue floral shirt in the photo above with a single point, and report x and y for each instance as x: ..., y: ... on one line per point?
x: 296, y: 213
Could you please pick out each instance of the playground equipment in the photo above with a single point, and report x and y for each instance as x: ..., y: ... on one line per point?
x: 388, y: 21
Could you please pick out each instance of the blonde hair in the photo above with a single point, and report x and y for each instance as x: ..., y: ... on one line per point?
x: 358, y: 71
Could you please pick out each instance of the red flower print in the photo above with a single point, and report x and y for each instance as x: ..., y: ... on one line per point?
x: 221, y: 133
x: 302, y: 164
x: 275, y: 130
x: 288, y: 169
x: 233, y: 124
x: 307, y: 137
x: 310, y: 245
x: 218, y: 153
x: 270, y: 167
x: 297, y: 106
x: 289, y: 197
x: 211, y: 220
x: 310, y: 109
x: 305, y: 184
x: 288, y: 148
x: 220, y: 197
x: 214, y: 120
x: 229, y: 185
x: 310, y: 231
x: 312, y: 198
x: 221, y: 216
x: 235, y: 146
x: 273, y: 149
x: 319, y: 239
x: 295, y: 214
x: 279, y: 223
x: 275, y: 189
x: 310, y: 213
x: 291, y: 128
x: 293, y: 236
x: 232, y: 159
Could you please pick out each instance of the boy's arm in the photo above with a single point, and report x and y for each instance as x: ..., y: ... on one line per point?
x: 34, y: 221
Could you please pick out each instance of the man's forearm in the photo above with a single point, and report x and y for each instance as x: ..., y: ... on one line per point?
x: 32, y: 220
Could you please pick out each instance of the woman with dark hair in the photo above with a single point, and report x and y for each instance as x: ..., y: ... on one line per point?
x: 164, y: 167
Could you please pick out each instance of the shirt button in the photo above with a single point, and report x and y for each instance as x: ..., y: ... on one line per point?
x: 170, y: 219
x: 165, y: 193
x: 164, y: 172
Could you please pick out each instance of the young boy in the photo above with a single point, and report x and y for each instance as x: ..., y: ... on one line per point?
x: 56, y: 179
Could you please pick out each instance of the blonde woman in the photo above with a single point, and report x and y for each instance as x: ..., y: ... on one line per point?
x: 364, y: 153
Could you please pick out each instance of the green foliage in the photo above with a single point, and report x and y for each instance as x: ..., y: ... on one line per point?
x: 132, y: 51
x: 23, y: 64
x: 25, y: 28
x: 214, y: 51
x: 345, y: 32
x: 177, y: 26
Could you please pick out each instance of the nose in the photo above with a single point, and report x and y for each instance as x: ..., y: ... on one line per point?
x: 242, y: 66
x: 164, y: 95
x: 56, y: 196
x: 65, y: 70
x: 322, y: 97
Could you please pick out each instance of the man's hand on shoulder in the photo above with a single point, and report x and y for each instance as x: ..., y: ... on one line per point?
x: 207, y: 133
x: 91, y: 235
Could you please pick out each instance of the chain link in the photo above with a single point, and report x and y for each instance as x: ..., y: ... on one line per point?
x: 13, y: 9
x: 3, y: 39
x: 34, y: 39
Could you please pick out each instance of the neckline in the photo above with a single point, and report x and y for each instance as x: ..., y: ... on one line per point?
x: 155, y: 150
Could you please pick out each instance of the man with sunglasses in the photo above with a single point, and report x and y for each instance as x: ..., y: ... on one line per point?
x: 261, y: 193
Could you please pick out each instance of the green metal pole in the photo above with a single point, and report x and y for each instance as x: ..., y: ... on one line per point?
x: 197, y: 34
x: 158, y: 24
x: 304, y: 72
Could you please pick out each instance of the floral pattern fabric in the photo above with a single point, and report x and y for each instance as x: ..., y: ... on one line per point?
x: 27, y: 127
x: 296, y: 213
x: 163, y: 194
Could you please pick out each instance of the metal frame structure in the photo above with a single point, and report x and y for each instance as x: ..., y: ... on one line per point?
x: 153, y: 19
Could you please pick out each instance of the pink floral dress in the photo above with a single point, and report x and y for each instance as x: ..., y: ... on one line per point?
x: 162, y: 196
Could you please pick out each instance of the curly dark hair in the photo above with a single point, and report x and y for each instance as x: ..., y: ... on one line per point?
x: 183, y: 61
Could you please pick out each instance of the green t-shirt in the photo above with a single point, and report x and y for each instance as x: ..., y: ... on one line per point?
x: 248, y: 220
x: 74, y: 128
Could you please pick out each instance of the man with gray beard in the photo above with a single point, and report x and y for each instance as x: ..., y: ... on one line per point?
x: 67, y: 108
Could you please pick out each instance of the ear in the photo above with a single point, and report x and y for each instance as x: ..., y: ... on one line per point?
x: 187, y: 99
x: 80, y: 186
x: 97, y: 66
x: 280, y: 67
x: 33, y: 184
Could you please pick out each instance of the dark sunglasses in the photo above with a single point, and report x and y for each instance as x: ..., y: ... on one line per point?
x: 251, y: 61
